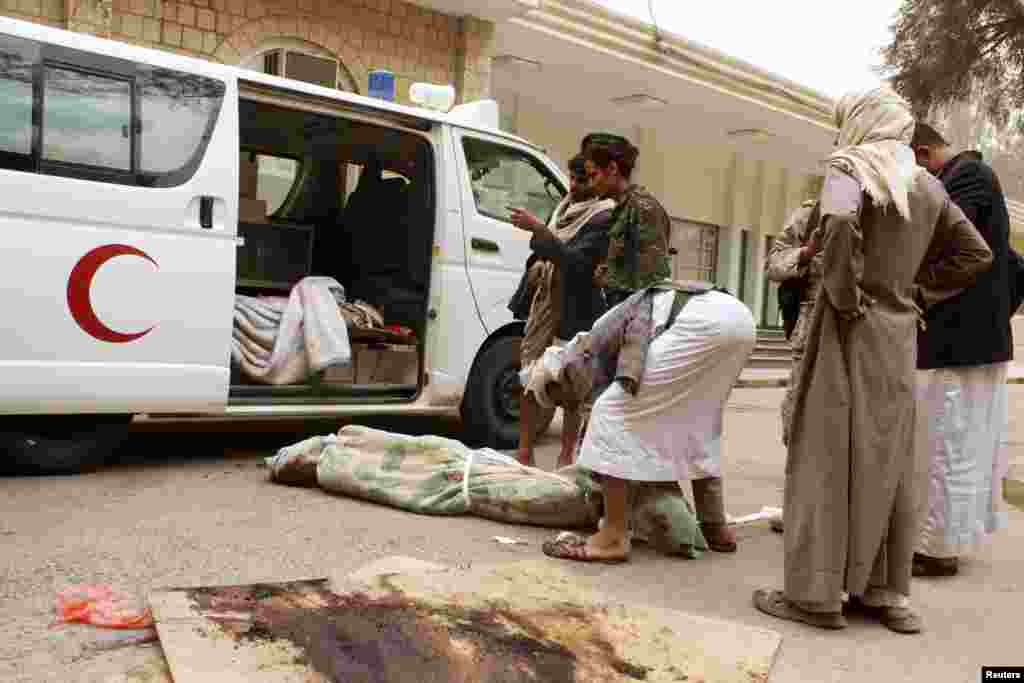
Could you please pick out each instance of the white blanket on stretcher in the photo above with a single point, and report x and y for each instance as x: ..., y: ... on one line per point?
x: 279, y: 340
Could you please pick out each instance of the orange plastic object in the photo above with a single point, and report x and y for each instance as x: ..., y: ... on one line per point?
x: 101, y: 606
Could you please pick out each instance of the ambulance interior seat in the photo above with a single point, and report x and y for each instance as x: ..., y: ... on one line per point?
x: 381, y: 229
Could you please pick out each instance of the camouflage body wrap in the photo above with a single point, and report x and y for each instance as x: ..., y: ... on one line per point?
x: 638, y: 253
x: 428, y: 475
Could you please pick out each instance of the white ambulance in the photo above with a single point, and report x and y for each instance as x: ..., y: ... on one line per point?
x: 144, y: 192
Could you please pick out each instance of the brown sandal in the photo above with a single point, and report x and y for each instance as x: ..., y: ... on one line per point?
x: 935, y: 566
x: 898, y: 619
x: 719, y: 537
x: 569, y: 546
x: 775, y: 604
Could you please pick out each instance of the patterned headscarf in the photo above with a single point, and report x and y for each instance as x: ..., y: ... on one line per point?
x: 875, y: 129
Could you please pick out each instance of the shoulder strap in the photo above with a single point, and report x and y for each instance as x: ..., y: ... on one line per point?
x: 813, y: 219
x: 679, y: 301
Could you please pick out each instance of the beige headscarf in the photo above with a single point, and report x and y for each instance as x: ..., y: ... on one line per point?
x: 542, y: 324
x: 875, y: 129
x: 569, y: 216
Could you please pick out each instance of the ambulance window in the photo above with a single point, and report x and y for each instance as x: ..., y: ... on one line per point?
x: 177, y: 112
x: 87, y: 119
x: 102, y: 118
x: 501, y: 177
x: 276, y: 176
x: 17, y: 58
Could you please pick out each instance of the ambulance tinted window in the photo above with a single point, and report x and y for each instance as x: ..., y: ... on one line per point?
x: 87, y: 119
x: 177, y: 112
x: 17, y: 59
x: 77, y: 114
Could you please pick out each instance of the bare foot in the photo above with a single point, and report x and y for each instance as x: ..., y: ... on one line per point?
x: 608, y: 542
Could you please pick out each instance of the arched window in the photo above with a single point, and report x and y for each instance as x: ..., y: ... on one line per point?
x: 301, y: 61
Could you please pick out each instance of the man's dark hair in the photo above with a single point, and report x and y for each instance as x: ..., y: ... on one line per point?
x: 926, y: 136
x: 602, y: 149
x: 578, y: 166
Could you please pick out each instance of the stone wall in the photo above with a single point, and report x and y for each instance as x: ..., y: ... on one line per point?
x: 414, y: 43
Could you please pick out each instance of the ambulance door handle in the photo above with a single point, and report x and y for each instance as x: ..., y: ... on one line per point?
x: 206, y: 212
x: 484, y: 245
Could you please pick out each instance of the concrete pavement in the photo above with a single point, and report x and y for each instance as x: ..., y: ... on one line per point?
x: 192, y: 510
x: 775, y: 378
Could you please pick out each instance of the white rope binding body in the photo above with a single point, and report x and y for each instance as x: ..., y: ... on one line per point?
x: 465, y: 480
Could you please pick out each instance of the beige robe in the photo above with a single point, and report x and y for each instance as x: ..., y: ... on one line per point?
x: 783, y: 263
x: 853, y: 485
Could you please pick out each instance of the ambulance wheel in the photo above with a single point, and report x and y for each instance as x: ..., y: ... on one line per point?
x: 60, y: 444
x: 490, y: 408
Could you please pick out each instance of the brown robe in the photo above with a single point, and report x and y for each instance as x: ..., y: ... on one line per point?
x: 852, y: 483
x: 783, y: 263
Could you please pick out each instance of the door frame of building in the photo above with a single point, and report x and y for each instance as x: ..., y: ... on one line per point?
x: 744, y: 259
x: 770, y: 293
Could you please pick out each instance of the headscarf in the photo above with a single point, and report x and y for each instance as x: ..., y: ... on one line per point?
x: 570, y: 216
x: 875, y: 129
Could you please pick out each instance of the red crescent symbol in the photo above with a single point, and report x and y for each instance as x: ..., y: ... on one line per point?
x: 80, y: 282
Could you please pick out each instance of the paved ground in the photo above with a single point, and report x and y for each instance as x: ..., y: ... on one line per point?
x: 770, y: 378
x: 187, y: 509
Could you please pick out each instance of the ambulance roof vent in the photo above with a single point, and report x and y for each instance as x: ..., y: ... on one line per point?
x: 481, y: 114
x: 433, y: 96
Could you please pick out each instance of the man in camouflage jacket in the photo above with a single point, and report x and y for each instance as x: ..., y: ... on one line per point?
x: 638, y: 253
x: 794, y: 254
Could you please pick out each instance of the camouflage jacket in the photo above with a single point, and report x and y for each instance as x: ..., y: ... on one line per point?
x: 639, y: 242
x: 783, y: 262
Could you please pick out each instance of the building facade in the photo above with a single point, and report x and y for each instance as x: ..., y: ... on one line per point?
x: 730, y: 150
x: 336, y: 42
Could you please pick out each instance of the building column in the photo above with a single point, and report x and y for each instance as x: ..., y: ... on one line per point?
x: 754, y: 273
x: 728, y: 266
x: 473, y: 55
x: 649, y: 171
x: 770, y: 296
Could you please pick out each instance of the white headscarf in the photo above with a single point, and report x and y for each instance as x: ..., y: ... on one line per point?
x: 875, y: 129
x: 569, y: 216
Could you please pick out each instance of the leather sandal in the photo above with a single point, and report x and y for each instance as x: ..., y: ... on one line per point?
x: 719, y: 537
x: 898, y: 619
x: 570, y: 546
x: 774, y: 603
x: 935, y: 566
